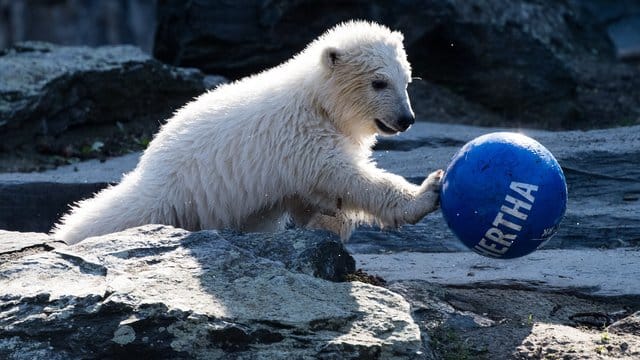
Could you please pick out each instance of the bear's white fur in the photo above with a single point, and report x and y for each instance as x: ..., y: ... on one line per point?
x: 292, y: 143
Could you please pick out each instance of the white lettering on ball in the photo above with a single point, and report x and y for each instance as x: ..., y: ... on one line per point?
x: 508, y: 222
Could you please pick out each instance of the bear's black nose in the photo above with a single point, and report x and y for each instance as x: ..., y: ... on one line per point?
x: 406, y: 120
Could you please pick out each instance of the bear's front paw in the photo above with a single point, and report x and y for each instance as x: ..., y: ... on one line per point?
x: 428, y: 200
x: 433, y: 181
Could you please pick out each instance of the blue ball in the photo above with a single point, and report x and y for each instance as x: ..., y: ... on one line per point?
x: 503, y: 195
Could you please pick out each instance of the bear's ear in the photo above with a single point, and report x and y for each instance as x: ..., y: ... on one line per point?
x: 331, y: 57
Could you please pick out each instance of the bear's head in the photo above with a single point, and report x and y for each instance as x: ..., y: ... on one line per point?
x: 366, y: 76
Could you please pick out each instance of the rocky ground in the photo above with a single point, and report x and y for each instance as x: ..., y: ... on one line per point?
x: 513, y: 322
x: 558, y: 304
x: 167, y: 293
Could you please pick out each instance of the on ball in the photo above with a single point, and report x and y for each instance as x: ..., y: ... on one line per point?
x: 503, y: 195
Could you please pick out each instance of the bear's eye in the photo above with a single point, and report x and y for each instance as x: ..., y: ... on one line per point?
x: 379, y: 84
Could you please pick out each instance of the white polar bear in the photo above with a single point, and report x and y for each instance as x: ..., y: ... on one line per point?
x: 292, y: 143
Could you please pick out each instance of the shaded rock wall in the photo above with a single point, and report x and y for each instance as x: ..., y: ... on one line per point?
x: 72, y: 22
x: 52, y: 199
x: 546, y: 63
x: 622, y: 20
x: 549, y: 64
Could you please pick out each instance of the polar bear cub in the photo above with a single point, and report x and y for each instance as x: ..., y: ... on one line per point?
x: 290, y: 144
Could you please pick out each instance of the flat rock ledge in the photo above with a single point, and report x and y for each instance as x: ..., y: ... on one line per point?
x: 552, y: 304
x: 160, y: 292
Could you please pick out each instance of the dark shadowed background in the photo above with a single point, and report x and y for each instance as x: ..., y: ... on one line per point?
x: 540, y: 63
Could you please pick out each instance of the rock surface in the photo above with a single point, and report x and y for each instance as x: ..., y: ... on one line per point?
x: 497, y: 322
x: 167, y: 293
x: 544, y: 63
x: 589, y: 271
x: 52, y: 95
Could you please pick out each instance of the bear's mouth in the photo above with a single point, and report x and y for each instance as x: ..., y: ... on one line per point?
x: 384, y: 128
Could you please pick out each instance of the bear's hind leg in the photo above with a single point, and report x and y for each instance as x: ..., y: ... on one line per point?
x: 339, y: 224
x: 270, y: 220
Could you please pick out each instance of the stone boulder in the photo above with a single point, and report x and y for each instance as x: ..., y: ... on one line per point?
x: 166, y: 293
x: 545, y: 63
x: 54, y: 96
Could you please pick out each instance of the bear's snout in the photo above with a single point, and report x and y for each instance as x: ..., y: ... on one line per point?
x: 405, y: 120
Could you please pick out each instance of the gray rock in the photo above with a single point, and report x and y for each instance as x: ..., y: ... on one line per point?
x: 45, y: 90
x: 16, y: 348
x: 606, y: 12
x: 499, y: 321
x: 299, y: 251
x: 503, y: 56
x: 84, y: 172
x: 12, y: 244
x: 591, y: 272
x: 9, y: 242
x: 544, y: 63
x: 629, y: 324
x: 620, y: 19
x: 160, y: 292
